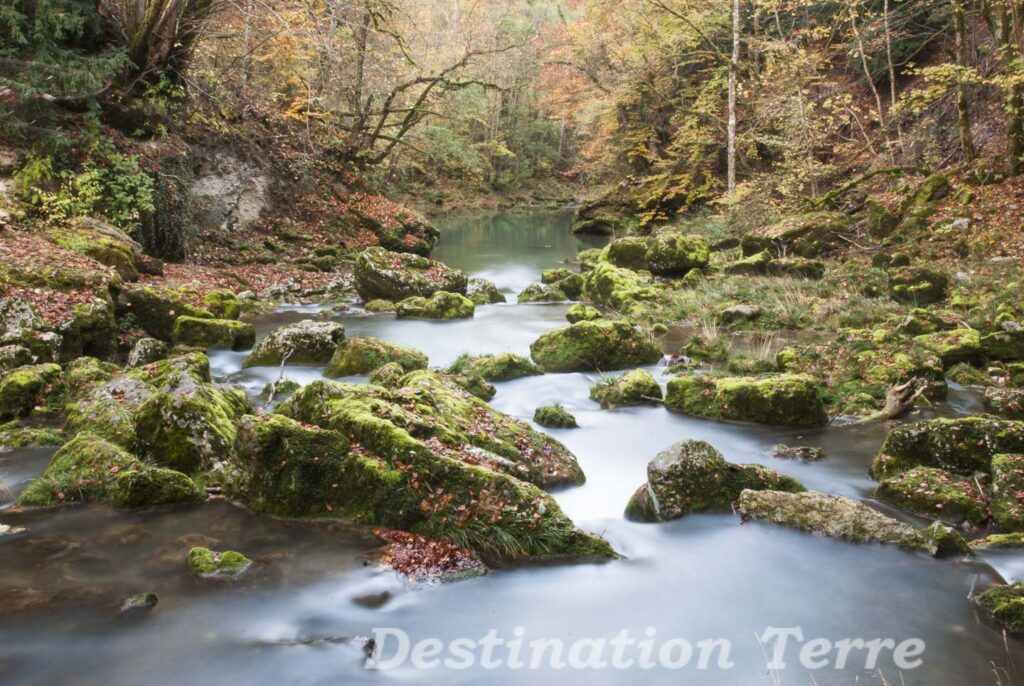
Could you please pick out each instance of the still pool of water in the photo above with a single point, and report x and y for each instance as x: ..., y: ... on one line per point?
x: 703, y: 577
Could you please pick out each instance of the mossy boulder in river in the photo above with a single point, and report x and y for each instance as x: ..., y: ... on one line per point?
x: 671, y: 253
x: 426, y: 458
x: 364, y: 355
x: 440, y: 305
x: 397, y: 276
x: 91, y: 469
x: 594, y: 346
x: 554, y: 417
x: 782, y: 400
x: 213, y: 333
x: 210, y: 564
x: 936, y: 493
x: 1006, y: 603
x: 500, y: 367
x: 691, y: 476
x: 637, y: 387
x: 582, y: 313
x: 306, y: 342
x: 962, y: 446
x: 629, y: 252
x: 484, y: 292
x: 846, y: 519
x: 1008, y: 491
x: 25, y: 388
x: 15, y: 435
x: 619, y: 289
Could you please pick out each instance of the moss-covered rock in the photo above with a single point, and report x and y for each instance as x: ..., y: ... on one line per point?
x: 397, y: 276
x: 108, y: 410
x: 935, y: 493
x: 1004, y: 345
x: 999, y: 542
x: 500, y: 367
x: 363, y: 355
x: 782, y: 400
x: 389, y: 376
x: 222, y: 303
x: 618, y: 289
x: 1007, y: 403
x: 582, y: 313
x: 1008, y: 491
x: 155, y: 309
x: 539, y: 293
x: 847, y: 520
x: 146, y: 351
x: 751, y: 265
x: 555, y: 274
x: 484, y: 292
x: 691, y: 476
x: 629, y: 252
x: 588, y: 258
x: 91, y: 330
x: 14, y: 435
x: 91, y: 469
x: 594, y: 346
x: 306, y: 342
x: 637, y: 387
x: 804, y: 453
x: 881, y: 221
x: 88, y: 372
x: 440, y: 305
x: 810, y: 236
x: 208, y: 564
x: 953, y: 347
x: 104, y: 243
x: 554, y: 417
x: 918, y: 285
x: 377, y: 306
x: 962, y: 446
x: 213, y: 333
x: 26, y: 388
x: 1006, y: 603
x: 674, y: 254
x: 433, y: 460
x: 14, y: 355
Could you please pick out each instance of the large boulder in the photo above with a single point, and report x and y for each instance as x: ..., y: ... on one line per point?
x: 629, y: 253
x: 782, y: 400
x: 1006, y: 604
x: 25, y: 388
x: 962, y: 446
x: 204, y: 332
x: 106, y: 244
x: 691, y: 476
x: 674, y: 254
x: 918, y: 285
x: 484, y: 292
x: 397, y: 276
x: 847, y: 520
x: 440, y: 305
x: 364, y: 355
x: 306, y: 342
x: 594, y: 346
x: 936, y: 493
x: 155, y: 308
x: 582, y: 313
x: 616, y: 288
x: 954, y: 346
x: 500, y: 367
x: 1004, y: 345
x: 637, y: 387
x: 420, y: 460
x: 108, y: 410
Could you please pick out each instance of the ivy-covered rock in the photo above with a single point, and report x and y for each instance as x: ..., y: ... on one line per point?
x: 146, y: 351
x: 208, y: 564
x: 306, y: 342
x: 435, y: 461
x: 637, y: 387
x: 782, y: 400
x: 554, y: 417
x: 1007, y: 403
x: 935, y: 493
x: 363, y: 355
x: 155, y: 309
x: 594, y: 346
x: 847, y: 520
x: 954, y: 346
x: 962, y: 446
x: 91, y: 469
x: 484, y: 292
x: 397, y: 276
x: 25, y: 388
x: 619, y: 289
x: 440, y: 305
x: 691, y: 476
x: 918, y: 285
x: 674, y: 254
x: 1008, y: 491
x: 213, y: 333
x: 1006, y: 603
x: 500, y: 367
x: 582, y: 313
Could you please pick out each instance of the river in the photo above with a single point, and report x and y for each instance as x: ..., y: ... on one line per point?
x: 702, y: 577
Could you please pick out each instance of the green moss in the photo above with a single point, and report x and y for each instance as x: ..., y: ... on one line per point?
x: 537, y: 293
x: 675, y: 254
x: 935, y: 493
x: 594, y: 346
x: 377, y: 306
x: 554, y: 417
x: 389, y: 376
x: 396, y: 276
x: 308, y: 342
x: 620, y: 289
x: 1008, y: 491
x: 100, y: 246
x: 1004, y: 345
x: 91, y: 331
x: 484, y: 292
x: 209, y: 564
x: 968, y: 375
x: 582, y: 313
x: 87, y: 372
x: 500, y: 367
x: 962, y: 446
x: 999, y: 542
x: 918, y: 285
x: 155, y: 309
x: 550, y: 276
x: 440, y: 305
x: 629, y: 253
x: 953, y: 347
x: 222, y: 303
x: 153, y: 486
x: 166, y: 373
x: 213, y: 333
x: 783, y: 400
x: 25, y: 388
x: 14, y: 436
x: 1006, y: 603
x: 637, y: 387
x: 363, y: 355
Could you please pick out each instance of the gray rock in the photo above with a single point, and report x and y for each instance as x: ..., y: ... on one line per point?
x: 145, y: 351
x: 305, y: 342
x: 961, y: 224
x: 740, y: 313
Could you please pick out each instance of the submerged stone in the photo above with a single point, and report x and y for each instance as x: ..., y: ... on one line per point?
x: 594, y: 346
x: 804, y: 453
x: 307, y: 342
x: 782, y: 400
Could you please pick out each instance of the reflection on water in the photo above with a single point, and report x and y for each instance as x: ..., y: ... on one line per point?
x: 702, y: 577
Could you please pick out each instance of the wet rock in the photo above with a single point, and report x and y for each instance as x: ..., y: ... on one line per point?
x: 1008, y: 491
x: 1007, y: 403
x: 213, y: 333
x: 594, y: 346
x: 7, y: 530
x: 146, y: 351
x: 782, y: 400
x: 637, y: 387
x: 1006, y: 604
x: 954, y: 347
x: 962, y: 446
x: 691, y: 476
x: 25, y: 388
x: 484, y: 292
x: 306, y: 342
x: 373, y: 601
x: 423, y: 560
x: 227, y: 565
x: 138, y: 605
x: 847, y: 520
x: 936, y: 493
x: 396, y: 276
x: 918, y: 285
x: 582, y: 313
x: 554, y: 417
x: 674, y: 254
x: 804, y: 453
x: 440, y: 305
x: 500, y: 367
x: 364, y: 355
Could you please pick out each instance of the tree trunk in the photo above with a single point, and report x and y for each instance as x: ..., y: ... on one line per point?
x: 1013, y: 95
x: 733, y: 66
x: 871, y: 81
x: 892, y: 78
x: 962, y: 103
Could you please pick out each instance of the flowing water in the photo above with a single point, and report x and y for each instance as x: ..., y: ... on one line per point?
x: 703, y: 577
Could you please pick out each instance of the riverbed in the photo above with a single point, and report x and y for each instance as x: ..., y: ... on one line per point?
x: 293, y: 620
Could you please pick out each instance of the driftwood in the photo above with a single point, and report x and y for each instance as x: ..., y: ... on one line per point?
x: 899, y: 399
